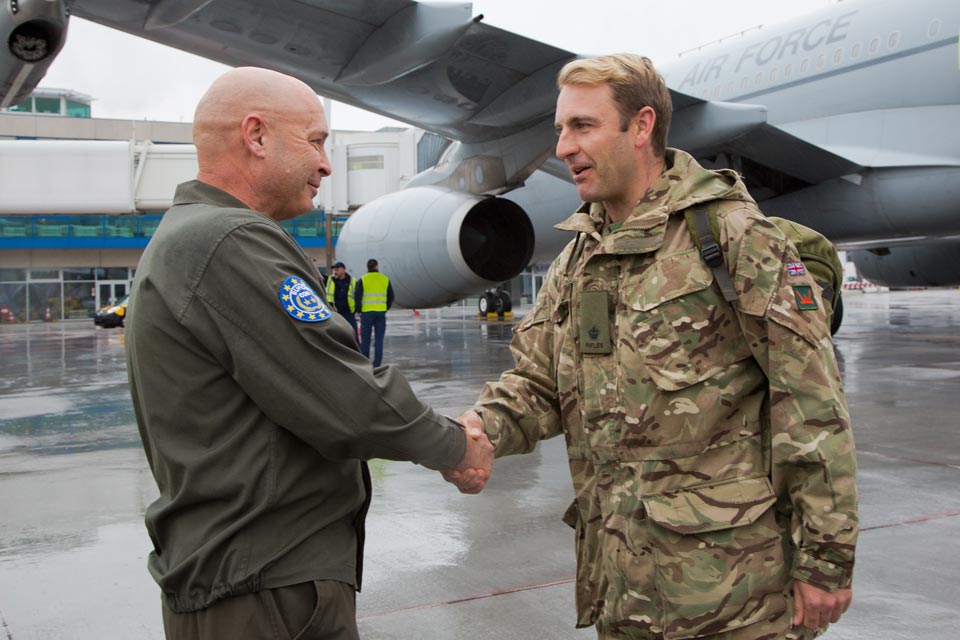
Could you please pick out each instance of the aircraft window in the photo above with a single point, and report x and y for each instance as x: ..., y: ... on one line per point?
x: 731, y: 87
x: 46, y: 105
x: 759, y: 80
x: 838, y: 56
x: 821, y: 61
x: 934, y: 29
x: 805, y: 65
x: 788, y: 71
x: 773, y: 74
x: 855, y: 50
x: 894, y: 41
x: 874, y: 45
x: 744, y: 83
x: 717, y: 91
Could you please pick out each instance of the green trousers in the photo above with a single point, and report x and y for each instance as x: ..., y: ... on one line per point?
x: 318, y: 610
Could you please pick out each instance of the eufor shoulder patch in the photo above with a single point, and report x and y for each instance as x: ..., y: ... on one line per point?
x: 301, y: 303
x: 805, y: 297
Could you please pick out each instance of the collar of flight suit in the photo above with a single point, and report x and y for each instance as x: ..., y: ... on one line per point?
x: 197, y: 192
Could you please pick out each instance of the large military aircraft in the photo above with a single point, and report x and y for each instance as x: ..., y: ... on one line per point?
x: 845, y: 120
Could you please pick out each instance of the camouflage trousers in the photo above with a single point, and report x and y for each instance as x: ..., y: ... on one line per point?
x: 778, y: 627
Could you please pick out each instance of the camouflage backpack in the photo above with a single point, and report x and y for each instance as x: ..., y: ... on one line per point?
x: 818, y: 255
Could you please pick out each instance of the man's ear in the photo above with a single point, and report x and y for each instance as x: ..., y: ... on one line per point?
x: 642, y: 126
x: 253, y: 128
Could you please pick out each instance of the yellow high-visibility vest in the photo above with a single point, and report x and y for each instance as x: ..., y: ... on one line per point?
x: 374, y: 292
x: 332, y: 290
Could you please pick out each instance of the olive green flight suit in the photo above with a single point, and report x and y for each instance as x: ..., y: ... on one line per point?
x: 256, y: 409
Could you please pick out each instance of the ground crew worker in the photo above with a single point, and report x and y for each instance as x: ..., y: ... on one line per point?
x: 374, y: 296
x: 709, y: 442
x: 341, y: 288
x: 255, y: 408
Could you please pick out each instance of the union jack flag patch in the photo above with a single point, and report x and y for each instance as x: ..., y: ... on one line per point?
x: 796, y: 269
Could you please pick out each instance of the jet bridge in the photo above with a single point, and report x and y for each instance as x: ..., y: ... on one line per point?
x: 91, y: 177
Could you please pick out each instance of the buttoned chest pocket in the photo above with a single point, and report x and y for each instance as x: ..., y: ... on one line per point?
x: 678, y: 329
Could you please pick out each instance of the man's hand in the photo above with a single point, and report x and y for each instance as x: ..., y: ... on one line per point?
x: 815, y: 608
x: 472, y: 422
x: 471, y: 475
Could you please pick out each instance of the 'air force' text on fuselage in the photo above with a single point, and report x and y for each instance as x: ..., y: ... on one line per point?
x: 758, y: 54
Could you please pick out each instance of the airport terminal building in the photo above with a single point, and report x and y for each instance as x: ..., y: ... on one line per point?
x: 80, y: 198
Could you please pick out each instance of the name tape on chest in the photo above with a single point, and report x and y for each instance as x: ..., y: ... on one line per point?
x: 301, y: 302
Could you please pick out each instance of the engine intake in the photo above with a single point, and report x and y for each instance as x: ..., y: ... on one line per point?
x: 437, y: 245
x: 32, y: 32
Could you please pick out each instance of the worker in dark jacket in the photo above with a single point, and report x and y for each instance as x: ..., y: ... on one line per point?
x: 255, y: 408
x: 374, y: 295
x: 340, y: 289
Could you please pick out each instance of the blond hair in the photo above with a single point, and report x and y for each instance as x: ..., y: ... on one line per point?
x: 635, y: 83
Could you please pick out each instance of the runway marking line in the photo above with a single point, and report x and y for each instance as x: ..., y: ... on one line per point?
x: 933, y: 516
x: 934, y: 463
x: 479, y: 596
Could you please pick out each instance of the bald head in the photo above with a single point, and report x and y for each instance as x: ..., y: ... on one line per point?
x: 260, y: 136
x: 237, y: 93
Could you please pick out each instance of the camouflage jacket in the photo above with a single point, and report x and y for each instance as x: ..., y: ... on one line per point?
x: 710, y: 447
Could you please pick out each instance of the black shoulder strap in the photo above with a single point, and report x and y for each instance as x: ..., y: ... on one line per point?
x: 575, y: 254
x: 710, y: 248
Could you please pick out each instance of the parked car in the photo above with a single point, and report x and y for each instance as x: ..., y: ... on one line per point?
x: 112, y: 315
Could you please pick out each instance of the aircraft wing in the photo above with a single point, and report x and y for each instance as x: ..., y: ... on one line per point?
x: 727, y: 130
x: 435, y: 66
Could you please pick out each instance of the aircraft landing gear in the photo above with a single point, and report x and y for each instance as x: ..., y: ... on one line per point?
x: 495, y: 302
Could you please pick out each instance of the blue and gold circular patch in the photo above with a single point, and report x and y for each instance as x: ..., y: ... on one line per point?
x: 301, y: 302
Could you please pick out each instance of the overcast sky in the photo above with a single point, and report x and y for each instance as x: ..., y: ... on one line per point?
x: 133, y: 78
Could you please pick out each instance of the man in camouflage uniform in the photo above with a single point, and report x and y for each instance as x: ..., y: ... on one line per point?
x: 709, y: 442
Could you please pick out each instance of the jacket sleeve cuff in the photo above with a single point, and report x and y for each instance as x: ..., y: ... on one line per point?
x: 452, y: 448
x: 820, y: 573
x: 493, y: 427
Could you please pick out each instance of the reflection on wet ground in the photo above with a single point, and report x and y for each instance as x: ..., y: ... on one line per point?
x: 74, y: 484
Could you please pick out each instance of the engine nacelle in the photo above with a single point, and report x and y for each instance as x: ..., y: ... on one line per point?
x: 32, y: 32
x: 931, y: 265
x: 436, y: 245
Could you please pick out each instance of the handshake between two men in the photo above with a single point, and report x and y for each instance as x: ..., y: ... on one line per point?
x: 471, y: 475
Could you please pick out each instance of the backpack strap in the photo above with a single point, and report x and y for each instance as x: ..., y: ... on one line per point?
x: 706, y: 237
x: 576, y: 253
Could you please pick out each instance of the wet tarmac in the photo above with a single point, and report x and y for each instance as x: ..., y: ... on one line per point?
x: 74, y: 484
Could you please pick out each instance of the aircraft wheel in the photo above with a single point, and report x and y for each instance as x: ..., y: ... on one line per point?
x: 488, y: 303
x: 506, y: 302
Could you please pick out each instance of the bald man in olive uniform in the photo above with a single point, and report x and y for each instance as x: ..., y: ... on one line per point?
x: 255, y: 408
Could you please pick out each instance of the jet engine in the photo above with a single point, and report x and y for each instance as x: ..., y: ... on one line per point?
x: 936, y: 264
x: 33, y: 32
x: 437, y: 245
